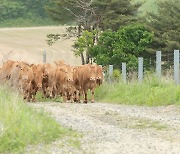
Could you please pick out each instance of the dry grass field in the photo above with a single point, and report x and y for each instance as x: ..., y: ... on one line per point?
x: 28, y: 44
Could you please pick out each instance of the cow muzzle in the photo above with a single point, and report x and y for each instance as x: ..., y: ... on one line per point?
x: 92, y: 79
x: 39, y: 87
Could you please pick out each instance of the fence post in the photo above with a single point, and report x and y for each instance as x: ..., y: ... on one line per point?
x: 140, y: 69
x: 124, y: 72
x: 176, y: 66
x: 44, y: 56
x: 158, y: 64
x: 110, y: 73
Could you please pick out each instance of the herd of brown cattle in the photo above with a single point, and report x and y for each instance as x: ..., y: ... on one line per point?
x: 58, y: 79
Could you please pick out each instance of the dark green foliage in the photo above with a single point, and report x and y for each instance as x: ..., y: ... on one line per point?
x: 116, y: 13
x: 98, y: 13
x: 166, y: 26
x: 26, y: 11
x: 11, y: 9
x: 58, y: 10
x: 125, y: 45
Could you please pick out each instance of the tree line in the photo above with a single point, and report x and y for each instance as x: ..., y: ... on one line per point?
x: 107, y: 31
x: 111, y: 32
x: 18, y: 12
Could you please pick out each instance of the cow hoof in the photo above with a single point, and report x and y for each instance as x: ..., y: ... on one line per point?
x: 85, y: 102
x: 92, y: 101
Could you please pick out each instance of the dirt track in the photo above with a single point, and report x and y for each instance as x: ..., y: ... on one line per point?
x: 115, y: 129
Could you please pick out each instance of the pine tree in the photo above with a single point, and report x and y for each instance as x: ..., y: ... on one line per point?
x: 103, y: 14
x: 116, y: 13
x: 166, y: 26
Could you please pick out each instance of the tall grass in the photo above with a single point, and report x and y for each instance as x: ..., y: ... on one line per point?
x: 152, y: 92
x: 21, y: 125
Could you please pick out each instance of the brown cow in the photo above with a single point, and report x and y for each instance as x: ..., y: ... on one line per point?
x: 64, y: 82
x: 22, y: 78
x: 5, y: 71
x: 85, y: 79
x: 49, y: 85
x: 99, y: 74
x: 39, y: 74
x: 27, y: 81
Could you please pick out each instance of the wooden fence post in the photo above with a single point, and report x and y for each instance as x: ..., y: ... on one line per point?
x: 140, y: 69
x: 124, y: 72
x: 176, y: 66
x: 158, y: 64
x: 110, y: 73
x: 44, y: 56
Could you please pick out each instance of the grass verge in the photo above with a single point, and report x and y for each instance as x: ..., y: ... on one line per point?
x: 40, y: 99
x: 151, y: 92
x: 21, y: 125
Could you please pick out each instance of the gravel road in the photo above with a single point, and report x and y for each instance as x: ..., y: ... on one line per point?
x: 117, y: 129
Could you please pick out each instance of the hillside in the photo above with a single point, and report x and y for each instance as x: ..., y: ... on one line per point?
x: 28, y: 44
x: 147, y: 6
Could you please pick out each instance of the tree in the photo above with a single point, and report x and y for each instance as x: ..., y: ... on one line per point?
x: 113, y: 14
x: 10, y: 9
x: 124, y: 45
x: 84, y: 44
x: 79, y: 11
x: 166, y: 26
x: 92, y: 15
x: 24, y: 9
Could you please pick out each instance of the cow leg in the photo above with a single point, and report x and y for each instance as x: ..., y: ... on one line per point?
x: 79, y: 96
x: 43, y: 93
x: 92, y: 96
x: 33, y: 98
x: 64, y: 97
x: 71, y: 95
x: 71, y: 99
x: 75, y: 96
x: 85, y: 96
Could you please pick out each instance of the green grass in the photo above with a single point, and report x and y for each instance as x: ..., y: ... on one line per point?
x: 151, y: 92
x: 40, y: 99
x: 21, y: 125
x: 34, y: 22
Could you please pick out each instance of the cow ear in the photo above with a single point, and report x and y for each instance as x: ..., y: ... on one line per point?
x: 56, y: 63
x: 17, y: 65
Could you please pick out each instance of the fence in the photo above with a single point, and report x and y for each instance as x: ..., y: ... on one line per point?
x: 141, y: 70
x: 158, y: 68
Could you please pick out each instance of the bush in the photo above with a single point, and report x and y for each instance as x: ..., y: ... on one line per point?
x: 125, y: 45
x: 116, y: 74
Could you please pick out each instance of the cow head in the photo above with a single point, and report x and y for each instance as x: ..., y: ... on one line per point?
x: 39, y: 75
x: 38, y: 79
x: 99, y: 75
x: 92, y: 73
